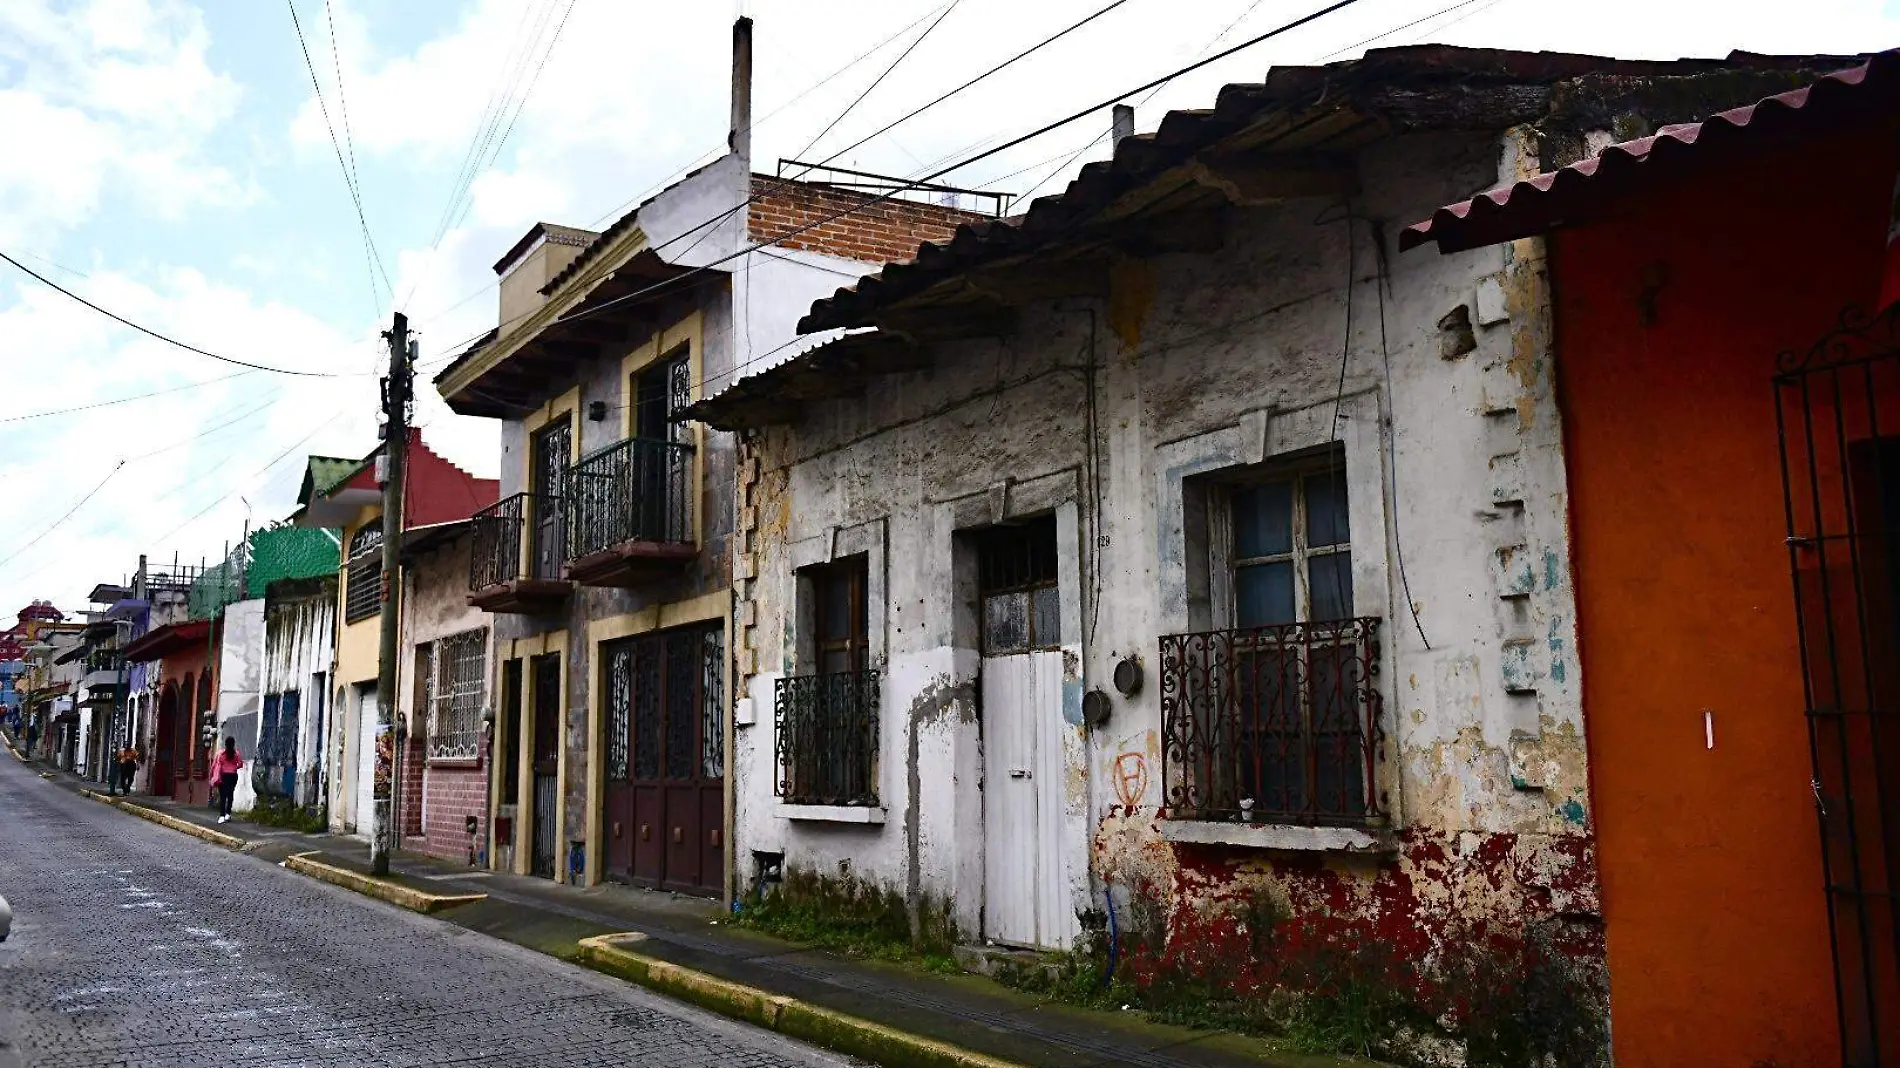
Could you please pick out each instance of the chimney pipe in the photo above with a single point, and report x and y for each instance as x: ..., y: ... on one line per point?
x: 740, y: 139
x: 1123, y: 123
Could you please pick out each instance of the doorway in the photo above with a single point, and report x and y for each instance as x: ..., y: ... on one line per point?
x: 1025, y: 900
x: 551, y: 450
x: 665, y: 724
x: 366, y: 740
x: 545, y: 712
x: 164, y: 739
x: 1841, y: 476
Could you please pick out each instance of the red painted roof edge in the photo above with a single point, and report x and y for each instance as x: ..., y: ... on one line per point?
x: 437, y: 490
x: 1547, y: 200
x: 160, y: 642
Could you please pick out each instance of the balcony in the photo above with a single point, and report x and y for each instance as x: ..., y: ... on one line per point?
x: 630, y: 512
x: 1272, y: 725
x: 826, y: 731
x: 515, y: 556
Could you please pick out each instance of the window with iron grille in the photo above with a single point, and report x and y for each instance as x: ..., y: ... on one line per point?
x: 1016, y: 578
x: 1275, y: 717
x: 452, y: 671
x: 363, y: 590
x: 826, y: 723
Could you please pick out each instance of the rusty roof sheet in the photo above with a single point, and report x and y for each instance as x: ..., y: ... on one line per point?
x: 1405, y: 88
x: 1869, y: 91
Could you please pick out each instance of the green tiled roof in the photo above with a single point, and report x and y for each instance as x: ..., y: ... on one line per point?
x: 289, y: 552
x: 323, y: 473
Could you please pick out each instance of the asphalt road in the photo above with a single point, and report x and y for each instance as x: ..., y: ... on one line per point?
x: 135, y: 945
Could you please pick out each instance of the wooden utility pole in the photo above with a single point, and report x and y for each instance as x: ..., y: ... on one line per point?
x: 395, y: 448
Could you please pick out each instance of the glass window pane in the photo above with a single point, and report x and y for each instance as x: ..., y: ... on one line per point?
x: 833, y: 661
x: 1006, y: 623
x: 1048, y: 617
x: 1326, y: 519
x: 1330, y: 577
x: 1263, y: 519
x: 1263, y: 594
x: 835, y: 608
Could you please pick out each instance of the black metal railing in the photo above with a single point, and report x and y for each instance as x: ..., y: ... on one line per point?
x: 639, y: 489
x: 518, y: 537
x: 1272, y: 724
x: 827, y: 738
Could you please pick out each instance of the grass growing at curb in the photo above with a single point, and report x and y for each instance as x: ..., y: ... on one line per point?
x: 282, y: 812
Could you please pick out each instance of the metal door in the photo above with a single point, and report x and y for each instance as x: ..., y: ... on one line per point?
x: 553, y: 449
x: 289, y: 726
x: 1838, y: 412
x: 546, y: 713
x: 265, y: 772
x: 365, y: 810
x: 665, y: 801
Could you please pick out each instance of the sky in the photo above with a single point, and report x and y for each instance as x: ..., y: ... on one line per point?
x: 173, y: 162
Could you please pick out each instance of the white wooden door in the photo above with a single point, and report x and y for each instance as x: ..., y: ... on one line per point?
x: 1025, y: 888
x: 366, y: 767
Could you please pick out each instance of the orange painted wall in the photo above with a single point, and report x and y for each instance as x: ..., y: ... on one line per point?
x: 1710, y: 859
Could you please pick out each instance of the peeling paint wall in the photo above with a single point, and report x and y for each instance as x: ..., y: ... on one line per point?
x: 1199, y: 364
x: 435, y: 606
x: 299, y: 657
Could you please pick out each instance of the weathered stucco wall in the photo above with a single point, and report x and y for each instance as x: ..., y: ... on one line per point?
x: 240, y: 685
x: 1101, y: 412
x: 299, y: 652
x: 435, y: 606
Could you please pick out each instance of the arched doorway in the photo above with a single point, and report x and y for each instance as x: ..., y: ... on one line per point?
x: 164, y: 741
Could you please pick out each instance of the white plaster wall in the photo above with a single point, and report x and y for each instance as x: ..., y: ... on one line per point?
x: 1215, y: 360
x: 240, y: 686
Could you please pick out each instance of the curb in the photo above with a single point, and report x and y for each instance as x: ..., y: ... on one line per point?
x: 228, y: 841
x: 17, y: 755
x: 781, y: 1013
x: 395, y: 893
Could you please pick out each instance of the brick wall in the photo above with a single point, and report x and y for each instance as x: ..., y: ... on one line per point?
x: 450, y: 793
x: 878, y: 233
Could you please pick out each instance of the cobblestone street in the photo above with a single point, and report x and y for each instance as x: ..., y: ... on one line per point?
x: 133, y: 945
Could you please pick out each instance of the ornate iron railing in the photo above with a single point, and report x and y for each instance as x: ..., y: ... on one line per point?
x: 639, y: 489
x: 515, y: 538
x: 827, y: 738
x: 1272, y: 724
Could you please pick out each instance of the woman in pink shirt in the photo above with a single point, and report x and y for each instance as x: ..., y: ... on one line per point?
x: 224, y: 771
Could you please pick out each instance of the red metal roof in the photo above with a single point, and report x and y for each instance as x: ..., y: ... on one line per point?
x: 1844, y: 99
x: 435, y: 491
x: 163, y: 641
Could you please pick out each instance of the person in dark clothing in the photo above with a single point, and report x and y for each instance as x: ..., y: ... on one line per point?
x: 128, y: 759
x: 224, y: 771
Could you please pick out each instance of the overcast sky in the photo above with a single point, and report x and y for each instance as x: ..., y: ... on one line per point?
x: 169, y: 160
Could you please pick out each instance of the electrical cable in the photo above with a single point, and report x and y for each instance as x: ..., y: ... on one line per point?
x: 879, y: 80
x: 49, y: 283
x: 77, y: 505
x: 1391, y: 441
x: 375, y: 256
x: 124, y: 400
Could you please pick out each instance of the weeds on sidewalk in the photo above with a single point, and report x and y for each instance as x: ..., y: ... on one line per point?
x: 283, y: 812
x: 852, y: 916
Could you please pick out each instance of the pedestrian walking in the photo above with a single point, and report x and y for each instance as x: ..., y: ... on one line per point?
x: 128, y: 767
x: 224, y: 771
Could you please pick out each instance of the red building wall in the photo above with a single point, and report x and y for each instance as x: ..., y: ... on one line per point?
x: 1716, y: 922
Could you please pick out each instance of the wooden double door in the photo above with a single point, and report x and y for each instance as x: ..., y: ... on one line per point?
x: 665, y: 726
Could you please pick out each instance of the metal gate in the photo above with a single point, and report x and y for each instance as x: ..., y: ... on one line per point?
x: 546, y: 710
x: 1838, y: 415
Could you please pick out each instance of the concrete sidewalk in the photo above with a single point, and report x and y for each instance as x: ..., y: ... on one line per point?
x: 889, y: 1013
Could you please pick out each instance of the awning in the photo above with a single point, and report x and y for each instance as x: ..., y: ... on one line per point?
x: 835, y: 363
x: 1843, y: 100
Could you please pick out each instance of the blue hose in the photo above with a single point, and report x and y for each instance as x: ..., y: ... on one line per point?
x: 1114, y: 936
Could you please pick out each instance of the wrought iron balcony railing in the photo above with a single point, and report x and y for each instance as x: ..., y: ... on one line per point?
x: 826, y: 729
x: 516, y: 538
x: 1272, y: 724
x: 637, y: 490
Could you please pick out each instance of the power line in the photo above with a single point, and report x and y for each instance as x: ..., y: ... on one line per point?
x: 374, y: 256
x: 49, y: 283
x: 77, y: 505
x: 879, y: 80
x: 273, y: 462
x: 718, y: 149
x: 124, y: 400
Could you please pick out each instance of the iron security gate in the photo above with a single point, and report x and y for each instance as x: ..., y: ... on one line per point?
x: 666, y: 743
x: 546, y: 711
x: 1838, y: 413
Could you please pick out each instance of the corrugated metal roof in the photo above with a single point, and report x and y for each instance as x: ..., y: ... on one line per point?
x: 1546, y: 201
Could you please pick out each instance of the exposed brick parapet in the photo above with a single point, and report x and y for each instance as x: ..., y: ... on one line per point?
x: 877, y: 233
